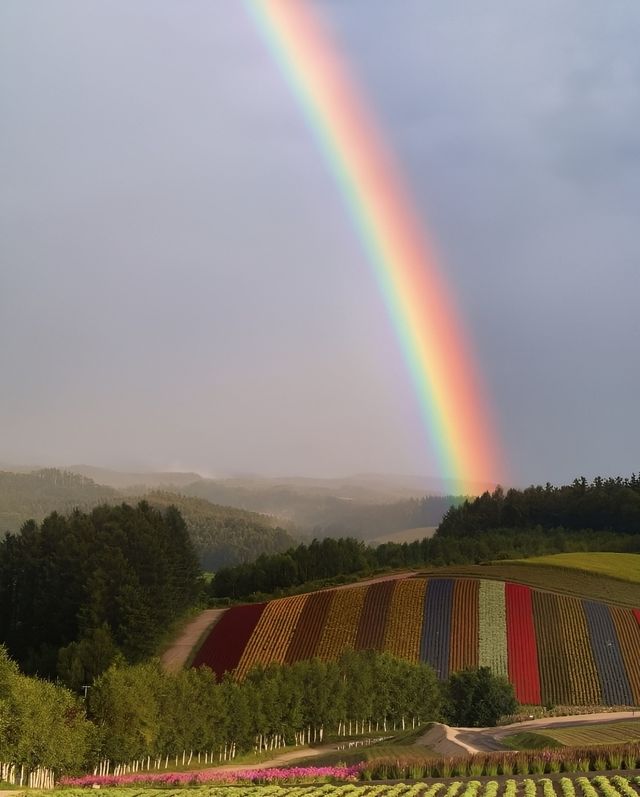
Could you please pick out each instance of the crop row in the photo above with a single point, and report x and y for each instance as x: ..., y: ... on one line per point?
x: 544, y: 787
x: 464, y: 648
x: 272, y: 635
x: 555, y: 649
x: 404, y: 627
x: 493, y: 627
x: 593, y: 758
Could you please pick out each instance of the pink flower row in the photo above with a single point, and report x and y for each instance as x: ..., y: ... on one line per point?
x: 274, y: 775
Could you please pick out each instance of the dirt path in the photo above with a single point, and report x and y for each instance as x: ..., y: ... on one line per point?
x: 175, y: 657
x: 289, y: 757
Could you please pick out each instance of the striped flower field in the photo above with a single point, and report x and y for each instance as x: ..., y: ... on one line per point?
x: 555, y: 649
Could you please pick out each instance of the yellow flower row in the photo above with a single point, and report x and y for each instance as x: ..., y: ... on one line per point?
x: 272, y: 634
x: 341, y: 626
x: 583, y: 675
x: 406, y: 616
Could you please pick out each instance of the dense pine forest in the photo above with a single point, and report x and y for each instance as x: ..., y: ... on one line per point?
x: 602, y: 505
x: 76, y: 591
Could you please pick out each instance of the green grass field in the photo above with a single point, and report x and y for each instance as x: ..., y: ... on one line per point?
x: 540, y: 573
x: 529, y: 741
x: 623, y: 566
x: 605, y: 733
x: 581, y: 735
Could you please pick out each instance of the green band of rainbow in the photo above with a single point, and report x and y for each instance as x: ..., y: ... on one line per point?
x: 431, y: 337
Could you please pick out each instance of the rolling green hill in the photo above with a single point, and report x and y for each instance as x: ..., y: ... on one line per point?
x: 223, y: 535
x: 26, y: 496
x: 329, y: 507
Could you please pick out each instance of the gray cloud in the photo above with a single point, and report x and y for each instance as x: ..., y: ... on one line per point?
x: 180, y: 282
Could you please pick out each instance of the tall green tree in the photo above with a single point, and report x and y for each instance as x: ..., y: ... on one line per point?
x: 477, y: 698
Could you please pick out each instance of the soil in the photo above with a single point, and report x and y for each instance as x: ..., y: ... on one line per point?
x: 175, y: 657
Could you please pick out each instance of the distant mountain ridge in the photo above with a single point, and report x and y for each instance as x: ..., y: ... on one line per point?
x: 33, y: 495
x: 222, y: 535
x: 127, y: 480
x: 364, y: 505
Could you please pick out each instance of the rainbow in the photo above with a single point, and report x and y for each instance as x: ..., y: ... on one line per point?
x: 422, y: 311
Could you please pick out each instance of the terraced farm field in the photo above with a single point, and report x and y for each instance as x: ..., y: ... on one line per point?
x: 556, y: 649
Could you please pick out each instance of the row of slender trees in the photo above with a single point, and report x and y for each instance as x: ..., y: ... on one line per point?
x: 140, y: 712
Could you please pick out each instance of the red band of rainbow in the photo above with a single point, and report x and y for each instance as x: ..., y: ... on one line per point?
x: 423, y: 314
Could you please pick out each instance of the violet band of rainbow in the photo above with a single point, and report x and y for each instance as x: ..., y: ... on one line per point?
x: 436, y: 349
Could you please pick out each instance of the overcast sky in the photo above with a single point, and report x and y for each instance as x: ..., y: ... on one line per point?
x: 180, y: 285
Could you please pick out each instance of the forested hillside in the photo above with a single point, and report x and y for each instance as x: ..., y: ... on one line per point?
x: 330, y: 511
x: 223, y: 535
x: 32, y: 496
x: 77, y: 591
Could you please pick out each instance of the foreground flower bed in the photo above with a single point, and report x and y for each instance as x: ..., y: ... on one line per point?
x: 601, y: 758
x: 273, y: 775
x: 544, y: 787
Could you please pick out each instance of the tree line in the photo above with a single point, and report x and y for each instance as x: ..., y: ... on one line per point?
x: 611, y: 504
x: 78, y: 591
x: 136, y: 712
x: 327, y: 559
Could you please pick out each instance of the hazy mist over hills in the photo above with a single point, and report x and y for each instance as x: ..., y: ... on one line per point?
x: 233, y: 520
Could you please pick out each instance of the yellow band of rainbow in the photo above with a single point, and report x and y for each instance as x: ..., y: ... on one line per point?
x: 423, y: 314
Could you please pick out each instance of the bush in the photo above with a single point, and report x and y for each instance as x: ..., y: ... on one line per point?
x: 478, y: 698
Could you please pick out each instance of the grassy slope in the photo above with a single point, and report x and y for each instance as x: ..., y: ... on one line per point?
x: 571, y: 581
x: 580, y: 735
x: 624, y: 566
x: 529, y: 741
x: 605, y: 733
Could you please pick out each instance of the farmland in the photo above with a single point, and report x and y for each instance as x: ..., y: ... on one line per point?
x: 599, y: 786
x: 622, y: 566
x: 549, y: 576
x: 556, y: 649
x: 585, y: 735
